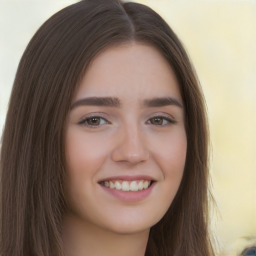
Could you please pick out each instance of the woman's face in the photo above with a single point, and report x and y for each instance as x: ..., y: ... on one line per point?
x: 125, y: 140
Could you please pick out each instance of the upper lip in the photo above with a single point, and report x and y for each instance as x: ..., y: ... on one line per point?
x: 128, y: 178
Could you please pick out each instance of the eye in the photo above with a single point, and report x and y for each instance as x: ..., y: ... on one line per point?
x: 160, y: 121
x: 93, y: 121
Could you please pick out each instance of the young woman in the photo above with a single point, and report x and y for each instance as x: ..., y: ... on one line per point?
x: 105, y: 145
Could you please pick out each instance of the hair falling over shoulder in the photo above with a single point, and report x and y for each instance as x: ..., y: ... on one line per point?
x: 32, y: 153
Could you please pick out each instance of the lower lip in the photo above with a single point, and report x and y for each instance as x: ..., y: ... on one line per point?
x: 131, y: 196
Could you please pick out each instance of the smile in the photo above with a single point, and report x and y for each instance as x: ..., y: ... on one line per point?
x: 123, y: 185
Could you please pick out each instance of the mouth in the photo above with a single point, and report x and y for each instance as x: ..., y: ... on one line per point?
x: 127, y: 185
x: 129, y: 189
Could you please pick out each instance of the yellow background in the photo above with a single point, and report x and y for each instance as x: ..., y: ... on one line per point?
x: 220, y: 36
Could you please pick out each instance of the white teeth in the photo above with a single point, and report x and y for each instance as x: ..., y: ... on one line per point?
x: 140, y: 185
x: 134, y: 185
x: 111, y: 184
x: 118, y: 185
x: 125, y: 186
x: 146, y: 184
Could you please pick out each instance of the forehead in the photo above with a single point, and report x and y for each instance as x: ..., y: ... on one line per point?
x: 130, y: 70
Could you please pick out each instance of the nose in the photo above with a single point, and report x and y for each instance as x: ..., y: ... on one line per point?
x: 130, y: 146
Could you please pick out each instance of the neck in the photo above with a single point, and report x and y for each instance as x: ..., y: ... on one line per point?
x: 81, y: 238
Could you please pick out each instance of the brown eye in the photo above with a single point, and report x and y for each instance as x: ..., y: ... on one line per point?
x: 93, y: 121
x: 157, y: 121
x: 160, y: 121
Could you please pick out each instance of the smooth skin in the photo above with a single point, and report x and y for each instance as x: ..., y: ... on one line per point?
x: 138, y: 130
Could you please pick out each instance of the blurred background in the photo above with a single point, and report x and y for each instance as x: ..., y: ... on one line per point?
x: 220, y: 37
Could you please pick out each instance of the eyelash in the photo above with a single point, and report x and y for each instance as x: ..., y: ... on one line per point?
x: 85, y: 121
x: 168, y: 120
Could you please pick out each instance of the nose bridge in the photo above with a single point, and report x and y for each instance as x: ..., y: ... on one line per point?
x: 131, y: 146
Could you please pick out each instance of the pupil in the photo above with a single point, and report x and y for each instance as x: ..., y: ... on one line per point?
x: 157, y: 120
x: 94, y: 121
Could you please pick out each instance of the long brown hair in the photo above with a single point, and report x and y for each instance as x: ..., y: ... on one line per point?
x: 32, y: 154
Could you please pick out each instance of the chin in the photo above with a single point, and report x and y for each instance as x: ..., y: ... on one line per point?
x: 129, y: 229
x: 131, y: 224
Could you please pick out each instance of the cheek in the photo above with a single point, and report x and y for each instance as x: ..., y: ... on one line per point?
x: 84, y: 158
x: 170, y: 153
x: 174, y: 157
x: 84, y: 154
x: 170, y: 156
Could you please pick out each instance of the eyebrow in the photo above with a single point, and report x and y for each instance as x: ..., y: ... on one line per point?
x: 115, y: 102
x: 97, y: 101
x: 161, y: 102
